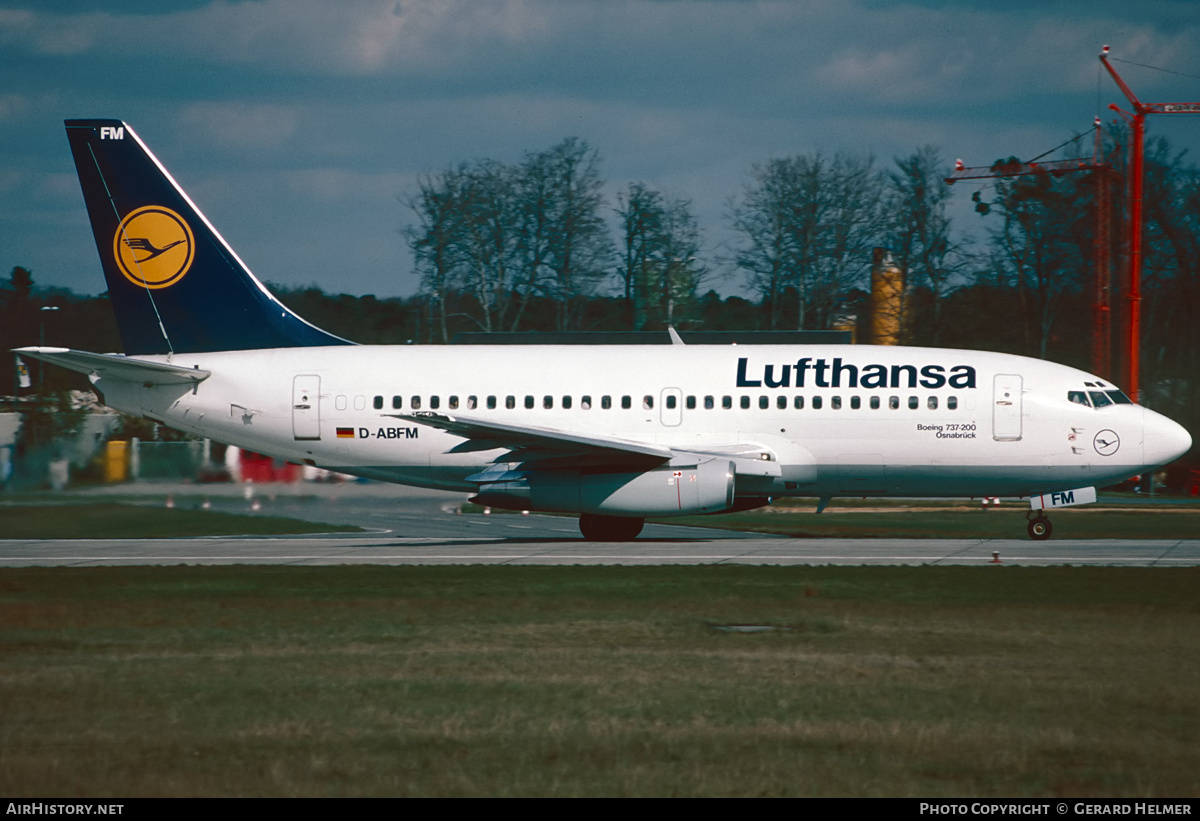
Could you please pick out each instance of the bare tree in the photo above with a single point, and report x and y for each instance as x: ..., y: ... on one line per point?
x: 807, y: 225
x: 660, y: 265
x: 920, y: 231
x: 434, y: 243
x: 850, y: 223
x: 488, y: 237
x: 768, y: 248
x: 682, y: 270
x: 1034, y: 253
x: 579, y: 248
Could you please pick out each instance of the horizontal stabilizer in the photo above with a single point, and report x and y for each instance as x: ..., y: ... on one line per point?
x: 116, y: 366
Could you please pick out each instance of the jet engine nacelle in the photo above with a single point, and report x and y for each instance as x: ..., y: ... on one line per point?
x: 671, y: 490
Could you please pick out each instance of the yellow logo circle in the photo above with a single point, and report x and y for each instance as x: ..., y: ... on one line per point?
x: 154, y: 247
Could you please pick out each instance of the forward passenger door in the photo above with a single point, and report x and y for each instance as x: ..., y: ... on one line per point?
x: 1006, y: 407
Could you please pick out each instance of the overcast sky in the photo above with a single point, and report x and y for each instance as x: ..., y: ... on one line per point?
x: 296, y: 125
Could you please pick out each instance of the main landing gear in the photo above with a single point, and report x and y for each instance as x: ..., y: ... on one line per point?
x: 609, y: 528
x: 1039, y: 526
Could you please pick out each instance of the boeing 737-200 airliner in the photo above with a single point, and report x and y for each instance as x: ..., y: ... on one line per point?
x: 611, y: 433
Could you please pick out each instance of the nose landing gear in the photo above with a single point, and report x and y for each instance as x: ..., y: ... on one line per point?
x: 1039, y: 526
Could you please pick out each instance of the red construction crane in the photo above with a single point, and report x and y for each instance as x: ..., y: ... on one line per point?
x: 1137, y: 176
x: 1101, y: 312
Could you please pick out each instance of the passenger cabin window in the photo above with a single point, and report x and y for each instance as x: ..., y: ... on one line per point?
x: 952, y: 403
x: 647, y: 402
x: 452, y: 403
x: 360, y: 402
x: 585, y: 403
x: 727, y: 402
x: 435, y: 402
x: 781, y: 402
x: 709, y: 403
x: 835, y: 402
x: 566, y: 403
x: 626, y: 402
x: 528, y: 402
x: 472, y: 402
x: 671, y: 402
x: 745, y: 402
x: 605, y: 402
x: 491, y: 403
x: 397, y: 402
x: 798, y: 403
x: 548, y: 402
x: 339, y: 402
x: 855, y: 402
x: 378, y: 403
x: 894, y: 402
x: 874, y: 403
x: 816, y: 403
x: 415, y: 403
x: 510, y: 402
x: 691, y: 403
x: 914, y: 402
x: 932, y: 404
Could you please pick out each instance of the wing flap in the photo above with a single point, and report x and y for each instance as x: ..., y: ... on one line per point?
x: 117, y: 366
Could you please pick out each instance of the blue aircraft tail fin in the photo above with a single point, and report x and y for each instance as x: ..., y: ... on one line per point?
x: 175, y: 284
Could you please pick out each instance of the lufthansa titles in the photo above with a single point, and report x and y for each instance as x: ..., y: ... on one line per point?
x: 820, y: 373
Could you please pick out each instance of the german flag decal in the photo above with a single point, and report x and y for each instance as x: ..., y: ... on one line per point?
x: 345, y: 433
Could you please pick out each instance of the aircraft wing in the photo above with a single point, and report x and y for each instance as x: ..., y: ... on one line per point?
x: 116, y: 366
x: 529, y: 441
x: 546, y: 446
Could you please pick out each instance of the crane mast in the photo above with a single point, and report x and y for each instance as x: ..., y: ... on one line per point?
x: 1137, y: 177
x: 1101, y: 309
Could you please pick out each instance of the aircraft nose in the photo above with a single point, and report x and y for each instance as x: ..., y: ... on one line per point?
x: 1165, y: 440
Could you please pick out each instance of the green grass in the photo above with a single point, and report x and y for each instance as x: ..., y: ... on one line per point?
x: 565, y: 681
x: 120, y: 521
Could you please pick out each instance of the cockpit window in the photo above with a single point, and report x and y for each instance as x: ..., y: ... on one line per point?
x: 1099, y: 398
x: 1119, y: 398
x: 1079, y: 398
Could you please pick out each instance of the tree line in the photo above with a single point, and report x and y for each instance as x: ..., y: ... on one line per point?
x: 535, y: 245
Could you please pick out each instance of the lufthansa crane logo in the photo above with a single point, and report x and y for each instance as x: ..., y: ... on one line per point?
x: 1106, y: 442
x: 154, y: 247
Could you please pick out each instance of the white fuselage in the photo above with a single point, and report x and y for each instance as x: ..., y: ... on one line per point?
x: 824, y: 420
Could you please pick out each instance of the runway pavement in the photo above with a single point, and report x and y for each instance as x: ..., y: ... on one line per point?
x: 700, y: 548
x: 412, y: 526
